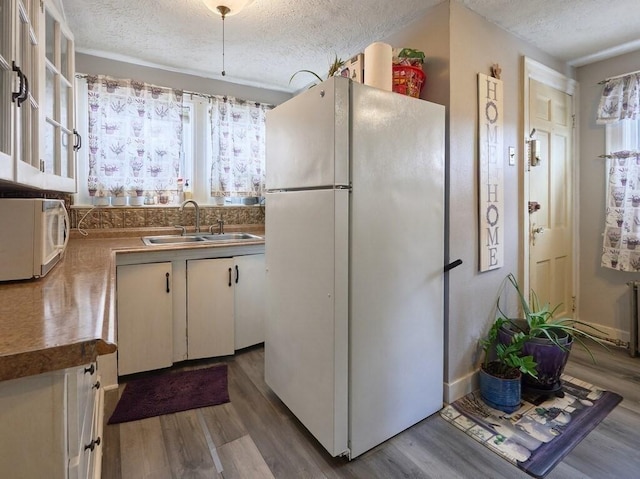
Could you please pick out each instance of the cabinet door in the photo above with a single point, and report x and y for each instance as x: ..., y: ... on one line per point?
x: 249, y: 300
x: 145, y: 329
x: 83, y: 395
x: 33, y: 438
x: 7, y: 76
x: 58, y: 153
x: 27, y: 117
x: 210, y: 308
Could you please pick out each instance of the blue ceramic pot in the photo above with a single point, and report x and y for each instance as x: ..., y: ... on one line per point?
x: 501, y: 394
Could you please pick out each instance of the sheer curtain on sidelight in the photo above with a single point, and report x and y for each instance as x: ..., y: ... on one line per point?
x: 237, y: 147
x: 619, y: 109
x: 135, y: 137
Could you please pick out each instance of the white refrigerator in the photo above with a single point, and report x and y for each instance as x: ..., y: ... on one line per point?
x: 354, y: 256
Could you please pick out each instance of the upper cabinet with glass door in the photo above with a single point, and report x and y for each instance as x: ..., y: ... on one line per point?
x: 36, y: 96
x: 26, y: 114
x: 59, y: 139
x: 7, y: 98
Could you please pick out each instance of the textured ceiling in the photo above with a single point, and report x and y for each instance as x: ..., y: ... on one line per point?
x: 575, y: 31
x: 270, y: 39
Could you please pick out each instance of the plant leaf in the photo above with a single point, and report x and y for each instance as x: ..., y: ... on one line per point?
x: 306, y: 71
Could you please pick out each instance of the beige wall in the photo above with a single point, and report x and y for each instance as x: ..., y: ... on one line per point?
x: 603, y: 296
x: 466, y: 44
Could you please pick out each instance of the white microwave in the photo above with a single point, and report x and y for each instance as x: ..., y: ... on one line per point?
x: 33, y: 236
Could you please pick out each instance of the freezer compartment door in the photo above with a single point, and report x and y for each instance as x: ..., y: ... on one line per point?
x: 307, y: 140
x: 306, y: 329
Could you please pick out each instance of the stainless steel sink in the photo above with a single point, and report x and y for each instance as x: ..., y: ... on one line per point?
x: 230, y: 237
x: 170, y: 239
x: 200, y: 238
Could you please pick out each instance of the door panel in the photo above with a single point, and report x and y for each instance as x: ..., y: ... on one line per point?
x: 145, y: 330
x: 316, y: 146
x: 551, y: 185
x: 210, y: 308
x: 306, y: 327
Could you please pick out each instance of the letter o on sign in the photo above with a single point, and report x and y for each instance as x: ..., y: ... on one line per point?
x: 492, y: 215
x: 491, y: 112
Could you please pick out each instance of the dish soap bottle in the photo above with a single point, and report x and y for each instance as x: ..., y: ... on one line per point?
x: 187, y: 191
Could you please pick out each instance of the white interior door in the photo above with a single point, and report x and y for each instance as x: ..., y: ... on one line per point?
x: 550, y: 183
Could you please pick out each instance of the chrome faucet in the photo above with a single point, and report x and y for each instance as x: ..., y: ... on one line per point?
x: 220, y: 223
x: 197, y: 207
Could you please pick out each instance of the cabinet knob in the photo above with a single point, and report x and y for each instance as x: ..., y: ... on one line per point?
x: 92, y: 445
x: 96, y: 385
x: 91, y: 369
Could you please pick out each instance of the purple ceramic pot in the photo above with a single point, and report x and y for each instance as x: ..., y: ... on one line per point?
x: 551, y: 359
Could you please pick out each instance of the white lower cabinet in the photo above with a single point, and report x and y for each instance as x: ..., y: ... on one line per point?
x: 225, y: 305
x: 145, y: 311
x: 51, y: 425
x: 249, y: 300
x: 210, y: 306
x: 205, y: 307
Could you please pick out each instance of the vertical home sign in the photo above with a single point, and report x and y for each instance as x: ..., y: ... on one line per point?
x: 490, y: 173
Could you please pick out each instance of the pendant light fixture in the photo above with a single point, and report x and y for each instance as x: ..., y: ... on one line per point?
x: 226, y: 8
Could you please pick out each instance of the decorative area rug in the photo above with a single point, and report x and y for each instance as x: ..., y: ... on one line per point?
x: 542, y: 432
x: 171, y: 392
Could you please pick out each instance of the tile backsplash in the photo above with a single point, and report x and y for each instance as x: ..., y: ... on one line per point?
x: 163, y: 216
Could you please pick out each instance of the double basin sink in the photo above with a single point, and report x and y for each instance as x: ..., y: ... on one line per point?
x: 200, y: 238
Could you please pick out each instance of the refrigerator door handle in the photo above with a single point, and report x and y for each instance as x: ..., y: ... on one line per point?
x: 454, y: 264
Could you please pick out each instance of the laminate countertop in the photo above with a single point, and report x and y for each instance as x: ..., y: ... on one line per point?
x: 67, y: 318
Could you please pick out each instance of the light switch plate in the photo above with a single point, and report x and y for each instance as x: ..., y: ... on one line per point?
x: 512, y: 156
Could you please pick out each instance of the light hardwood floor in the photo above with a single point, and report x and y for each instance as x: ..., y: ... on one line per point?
x: 255, y: 436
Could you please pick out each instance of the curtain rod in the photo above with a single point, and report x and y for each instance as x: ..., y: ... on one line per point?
x: 617, y: 76
x: 194, y: 93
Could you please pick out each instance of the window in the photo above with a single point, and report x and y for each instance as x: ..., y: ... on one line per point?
x: 623, y: 135
x: 151, y: 141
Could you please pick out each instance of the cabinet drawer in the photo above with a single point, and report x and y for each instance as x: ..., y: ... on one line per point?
x: 87, y: 463
x: 79, y: 391
x: 83, y: 389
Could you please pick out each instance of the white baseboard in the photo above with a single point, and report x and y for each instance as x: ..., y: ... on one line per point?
x: 614, y: 335
x: 460, y: 387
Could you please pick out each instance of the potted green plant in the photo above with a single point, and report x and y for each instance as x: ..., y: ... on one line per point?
x: 334, y: 67
x: 502, y: 369
x: 546, y: 338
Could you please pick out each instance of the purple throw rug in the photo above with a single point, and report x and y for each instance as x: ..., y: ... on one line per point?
x: 171, y: 392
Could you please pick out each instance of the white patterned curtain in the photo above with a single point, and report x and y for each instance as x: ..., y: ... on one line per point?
x: 135, y: 136
x: 238, y: 147
x: 621, y: 245
x: 620, y: 99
